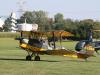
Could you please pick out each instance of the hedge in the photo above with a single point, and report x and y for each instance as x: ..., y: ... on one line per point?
x: 9, y: 34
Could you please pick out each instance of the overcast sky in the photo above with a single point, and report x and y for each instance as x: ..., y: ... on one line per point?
x: 74, y: 9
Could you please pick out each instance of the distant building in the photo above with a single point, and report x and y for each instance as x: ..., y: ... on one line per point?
x: 1, y: 23
x: 27, y: 27
x: 13, y: 22
x: 21, y: 27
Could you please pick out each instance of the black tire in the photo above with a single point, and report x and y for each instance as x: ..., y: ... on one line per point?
x: 29, y: 58
x: 37, y: 58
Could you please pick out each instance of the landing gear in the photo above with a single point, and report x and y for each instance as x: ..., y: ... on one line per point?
x: 29, y: 58
x: 37, y: 58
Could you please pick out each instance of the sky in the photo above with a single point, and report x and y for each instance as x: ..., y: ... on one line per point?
x: 74, y: 9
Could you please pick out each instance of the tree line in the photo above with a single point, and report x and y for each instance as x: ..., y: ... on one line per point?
x: 79, y: 28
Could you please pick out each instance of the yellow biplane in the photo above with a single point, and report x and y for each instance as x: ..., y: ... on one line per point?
x: 36, y: 43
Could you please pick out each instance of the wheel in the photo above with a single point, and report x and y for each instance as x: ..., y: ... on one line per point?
x: 28, y: 57
x: 37, y: 58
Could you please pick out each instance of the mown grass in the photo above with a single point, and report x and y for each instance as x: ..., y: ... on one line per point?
x: 12, y: 62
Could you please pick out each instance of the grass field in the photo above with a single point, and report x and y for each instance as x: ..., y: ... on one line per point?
x: 12, y: 62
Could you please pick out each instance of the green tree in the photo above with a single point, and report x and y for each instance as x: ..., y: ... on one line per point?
x: 1, y: 29
x: 84, y: 27
x: 58, y: 22
x: 7, y: 25
x: 96, y: 26
x: 49, y: 25
x: 69, y: 25
x: 58, y: 18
